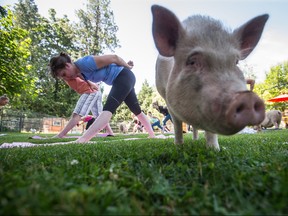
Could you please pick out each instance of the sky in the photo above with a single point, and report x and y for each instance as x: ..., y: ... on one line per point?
x: 134, y: 19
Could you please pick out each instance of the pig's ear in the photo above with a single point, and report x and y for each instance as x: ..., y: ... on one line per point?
x: 165, y: 30
x: 249, y: 34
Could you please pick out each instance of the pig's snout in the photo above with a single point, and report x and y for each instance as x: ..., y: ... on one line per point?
x: 246, y: 109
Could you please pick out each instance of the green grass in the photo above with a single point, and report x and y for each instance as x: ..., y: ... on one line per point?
x: 249, y: 176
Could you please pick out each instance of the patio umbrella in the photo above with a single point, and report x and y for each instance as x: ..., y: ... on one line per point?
x: 280, y: 98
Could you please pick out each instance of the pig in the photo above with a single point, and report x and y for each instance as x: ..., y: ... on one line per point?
x: 4, y: 100
x: 272, y: 118
x: 198, y: 77
x: 124, y: 127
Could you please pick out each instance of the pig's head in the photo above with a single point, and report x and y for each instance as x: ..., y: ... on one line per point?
x: 4, y: 100
x: 204, y: 86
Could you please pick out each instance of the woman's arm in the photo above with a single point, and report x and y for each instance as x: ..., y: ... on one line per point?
x: 103, y: 61
x: 93, y: 86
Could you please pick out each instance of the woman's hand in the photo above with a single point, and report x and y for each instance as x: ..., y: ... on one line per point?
x: 93, y: 86
x: 131, y: 64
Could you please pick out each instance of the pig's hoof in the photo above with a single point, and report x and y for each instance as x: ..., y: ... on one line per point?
x: 214, y: 147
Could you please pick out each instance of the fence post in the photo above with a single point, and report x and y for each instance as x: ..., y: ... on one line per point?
x: 21, y: 123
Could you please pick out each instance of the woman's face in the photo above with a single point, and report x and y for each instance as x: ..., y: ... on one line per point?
x: 68, y: 73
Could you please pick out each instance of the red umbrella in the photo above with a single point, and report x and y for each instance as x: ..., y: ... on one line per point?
x: 280, y: 98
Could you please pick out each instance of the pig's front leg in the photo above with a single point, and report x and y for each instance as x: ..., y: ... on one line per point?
x: 177, y: 131
x: 212, y: 140
x: 276, y: 125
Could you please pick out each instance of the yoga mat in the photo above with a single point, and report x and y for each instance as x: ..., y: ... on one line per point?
x: 28, y: 144
x: 39, y: 137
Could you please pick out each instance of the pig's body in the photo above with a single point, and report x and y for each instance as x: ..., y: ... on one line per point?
x: 272, y: 118
x: 4, y: 100
x: 124, y: 127
x: 197, y: 73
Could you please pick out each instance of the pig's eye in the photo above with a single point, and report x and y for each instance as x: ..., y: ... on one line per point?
x: 193, y: 61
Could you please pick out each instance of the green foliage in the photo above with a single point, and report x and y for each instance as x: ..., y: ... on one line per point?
x: 3, y: 12
x: 145, y: 96
x: 276, y: 83
x: 14, y: 46
x: 96, y: 30
x: 49, y: 37
x: 94, y: 33
x: 114, y: 176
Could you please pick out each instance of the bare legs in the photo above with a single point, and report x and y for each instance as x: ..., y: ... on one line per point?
x: 104, y: 118
x: 72, y: 123
x: 109, y: 129
x: 100, y: 122
x: 146, y: 123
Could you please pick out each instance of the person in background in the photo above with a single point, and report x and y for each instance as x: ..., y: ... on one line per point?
x: 163, y: 110
x: 138, y: 127
x: 90, y: 100
x: 110, y: 69
x: 155, y: 122
x: 86, y: 119
x: 89, y: 121
x: 4, y: 100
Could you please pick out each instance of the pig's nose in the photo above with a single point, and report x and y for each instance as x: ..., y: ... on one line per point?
x: 246, y: 109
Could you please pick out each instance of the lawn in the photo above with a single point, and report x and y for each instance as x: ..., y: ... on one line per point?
x: 113, y: 176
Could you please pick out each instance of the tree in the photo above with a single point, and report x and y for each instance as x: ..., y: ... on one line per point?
x: 3, y: 12
x: 14, y: 46
x: 276, y: 83
x: 145, y: 96
x: 57, y: 36
x: 49, y: 37
x: 122, y: 114
x: 94, y: 34
x: 96, y: 31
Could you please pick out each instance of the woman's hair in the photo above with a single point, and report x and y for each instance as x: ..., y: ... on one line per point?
x: 58, y: 62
